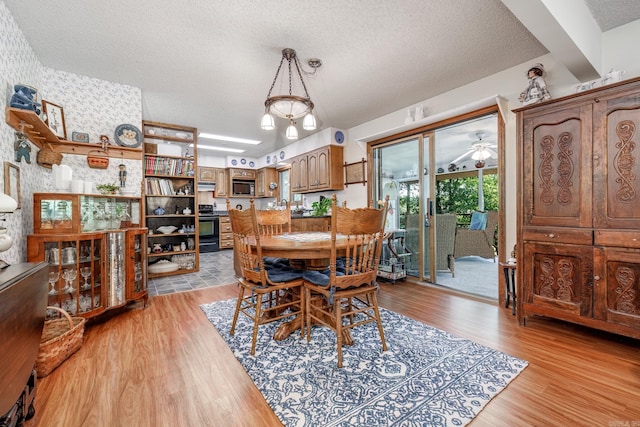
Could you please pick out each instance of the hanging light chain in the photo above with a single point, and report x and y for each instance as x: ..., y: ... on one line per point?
x: 276, y: 78
x: 304, y: 86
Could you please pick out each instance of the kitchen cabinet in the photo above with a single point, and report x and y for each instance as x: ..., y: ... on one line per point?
x: 226, y: 234
x: 264, y: 178
x: 222, y: 182
x: 299, y: 174
x: 318, y: 170
x: 206, y: 174
x: 244, y: 174
x: 170, y: 207
x: 311, y: 223
x: 579, y: 209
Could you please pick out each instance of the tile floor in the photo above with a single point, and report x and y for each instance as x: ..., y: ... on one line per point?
x: 216, y: 268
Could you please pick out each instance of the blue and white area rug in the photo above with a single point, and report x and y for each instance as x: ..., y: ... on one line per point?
x: 427, y: 377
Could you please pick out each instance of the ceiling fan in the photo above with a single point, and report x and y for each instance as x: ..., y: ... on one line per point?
x: 480, y: 151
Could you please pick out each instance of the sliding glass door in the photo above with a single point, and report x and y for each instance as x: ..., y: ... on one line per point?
x: 400, y: 172
x: 435, y: 181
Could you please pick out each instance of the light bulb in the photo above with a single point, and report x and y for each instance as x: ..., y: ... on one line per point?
x: 292, y: 132
x: 309, y: 122
x: 267, y: 122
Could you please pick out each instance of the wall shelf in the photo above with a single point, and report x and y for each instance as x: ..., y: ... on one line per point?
x: 41, y: 136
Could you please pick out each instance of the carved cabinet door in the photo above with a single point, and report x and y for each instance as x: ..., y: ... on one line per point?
x: 617, y: 161
x: 557, y: 154
x: 617, y: 286
x: 558, y: 280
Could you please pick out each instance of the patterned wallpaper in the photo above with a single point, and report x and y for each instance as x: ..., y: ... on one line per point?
x: 18, y: 64
x: 90, y: 105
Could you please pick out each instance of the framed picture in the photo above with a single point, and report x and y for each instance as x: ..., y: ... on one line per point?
x: 12, y: 181
x: 54, y: 118
x: 354, y: 173
x: 79, y: 137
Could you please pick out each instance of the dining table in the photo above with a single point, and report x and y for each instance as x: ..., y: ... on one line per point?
x: 304, y: 250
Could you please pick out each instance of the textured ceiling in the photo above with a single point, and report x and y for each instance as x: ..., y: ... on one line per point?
x: 210, y: 63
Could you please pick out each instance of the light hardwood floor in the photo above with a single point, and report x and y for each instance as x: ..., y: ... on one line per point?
x: 165, y: 365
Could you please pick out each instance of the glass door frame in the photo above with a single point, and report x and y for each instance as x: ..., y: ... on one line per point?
x: 432, y: 127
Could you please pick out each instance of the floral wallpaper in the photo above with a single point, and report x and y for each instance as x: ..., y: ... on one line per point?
x: 95, y: 107
x: 90, y: 105
x: 18, y: 64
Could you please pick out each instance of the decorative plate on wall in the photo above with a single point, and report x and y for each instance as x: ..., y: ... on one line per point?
x: 268, y: 159
x: 243, y: 161
x: 251, y: 164
x: 234, y: 162
x: 282, y: 155
x: 128, y: 136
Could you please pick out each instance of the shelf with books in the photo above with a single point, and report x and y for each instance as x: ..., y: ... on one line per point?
x: 170, y: 164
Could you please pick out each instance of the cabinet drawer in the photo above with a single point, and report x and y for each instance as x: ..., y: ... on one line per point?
x: 226, y: 237
x: 576, y: 236
x: 619, y: 238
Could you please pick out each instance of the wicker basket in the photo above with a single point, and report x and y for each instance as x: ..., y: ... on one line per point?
x: 98, y: 159
x: 47, y: 158
x: 60, y: 339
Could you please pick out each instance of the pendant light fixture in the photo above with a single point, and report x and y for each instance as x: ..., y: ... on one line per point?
x: 290, y: 106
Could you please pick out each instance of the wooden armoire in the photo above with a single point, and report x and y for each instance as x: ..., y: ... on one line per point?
x: 579, y: 209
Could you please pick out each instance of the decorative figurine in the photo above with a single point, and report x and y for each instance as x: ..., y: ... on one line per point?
x: 537, y: 89
x: 122, y: 174
x: 25, y: 98
x: 158, y: 211
x: 22, y: 147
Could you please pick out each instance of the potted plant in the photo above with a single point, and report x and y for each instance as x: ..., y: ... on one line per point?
x: 108, y: 188
x: 321, y: 208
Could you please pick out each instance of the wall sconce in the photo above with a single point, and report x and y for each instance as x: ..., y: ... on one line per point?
x: 7, y: 205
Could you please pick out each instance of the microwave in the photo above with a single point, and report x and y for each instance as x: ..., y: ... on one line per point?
x: 243, y: 188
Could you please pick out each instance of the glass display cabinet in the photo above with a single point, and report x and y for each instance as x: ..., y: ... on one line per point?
x: 95, y: 248
x: 115, y: 267
x: 63, y: 213
x: 75, y: 273
x: 136, y: 265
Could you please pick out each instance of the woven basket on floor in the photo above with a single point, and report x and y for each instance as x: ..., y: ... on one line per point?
x: 60, y: 339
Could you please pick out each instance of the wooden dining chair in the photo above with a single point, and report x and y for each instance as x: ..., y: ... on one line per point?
x: 345, y: 296
x: 272, y: 222
x: 261, y: 287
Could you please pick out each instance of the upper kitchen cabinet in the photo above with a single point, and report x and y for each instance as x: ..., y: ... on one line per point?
x: 264, y: 178
x: 318, y: 170
x: 206, y: 174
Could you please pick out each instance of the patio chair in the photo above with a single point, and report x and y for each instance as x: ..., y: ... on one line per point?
x: 479, y: 241
x: 445, y: 242
x: 345, y: 296
x: 265, y: 286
